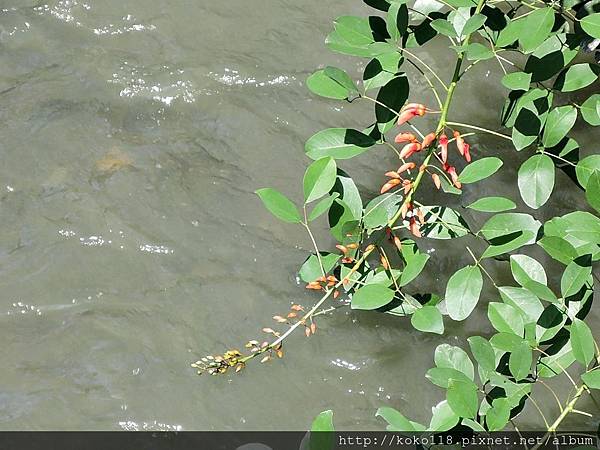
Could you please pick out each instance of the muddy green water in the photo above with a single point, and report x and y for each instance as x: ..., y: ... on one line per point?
x: 133, y: 135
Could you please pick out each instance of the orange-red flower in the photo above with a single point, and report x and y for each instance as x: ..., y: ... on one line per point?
x: 414, y: 227
x: 409, y: 149
x: 460, y: 143
x: 454, y: 176
x: 410, y: 111
x: 428, y: 140
x: 467, y: 152
x: 406, y: 166
x: 389, y: 185
x: 405, y: 137
x: 444, y: 146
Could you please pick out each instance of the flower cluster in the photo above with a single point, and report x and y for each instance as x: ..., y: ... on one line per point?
x: 412, y: 146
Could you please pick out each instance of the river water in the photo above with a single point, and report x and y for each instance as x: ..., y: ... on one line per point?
x: 134, y: 133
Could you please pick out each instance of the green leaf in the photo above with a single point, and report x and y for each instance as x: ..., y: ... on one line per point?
x: 279, y: 205
x: 461, y: 3
x: 462, y: 398
x: 462, y: 292
x: 444, y: 27
x: 331, y: 83
x: 440, y: 376
x: 522, y: 299
x: 476, y: 51
x: 576, y: 77
x: 338, y: 42
x: 381, y: 70
x: 319, y: 178
x: 380, y: 210
x: 391, y: 97
x: 586, y: 167
x: 339, y: 143
x: 428, y: 319
x: 473, y: 23
x: 322, y: 207
x: 371, y: 296
x: 414, y: 266
x: 480, y: 169
x: 592, y: 379
x: 525, y: 269
x: 452, y: 357
x: 311, y: 269
x: 443, y: 418
x: 558, y: 248
x: 555, y: 364
x: 591, y: 25
x: 590, y: 110
x: 574, y: 278
x: 580, y: 228
x: 582, y: 342
x: 517, y: 81
x: 510, y: 33
x: 520, y: 361
x: 354, y: 30
x: 397, y: 20
x: 483, y: 352
x: 492, y: 204
x: 536, y: 180
x: 505, y: 318
x: 396, y: 421
x: 509, y: 231
x: 531, y: 275
x: 498, y: 415
x: 505, y: 341
x: 558, y: 124
x: 323, y: 422
x: 321, y: 435
x: 592, y: 191
x: 537, y: 27
x: 475, y: 426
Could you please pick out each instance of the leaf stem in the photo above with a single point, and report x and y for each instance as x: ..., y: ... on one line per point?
x: 475, y: 127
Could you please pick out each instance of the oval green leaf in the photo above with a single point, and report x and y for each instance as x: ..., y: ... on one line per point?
x: 536, y: 180
x: 371, y: 296
x: 480, y: 169
x: 492, y: 204
x: 428, y: 319
x: 279, y: 205
x: 462, y: 292
x: 319, y: 178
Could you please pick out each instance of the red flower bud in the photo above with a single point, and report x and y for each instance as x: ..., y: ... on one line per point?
x: 342, y: 248
x: 428, y: 140
x: 405, y: 116
x: 405, y: 137
x: 404, y: 209
x: 406, y: 166
x: 460, y: 143
x: 444, y: 146
x: 414, y: 227
x: 398, y: 243
x: 392, y: 174
x: 389, y: 185
x: 409, y: 149
x: 436, y: 180
x: 467, y: 152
